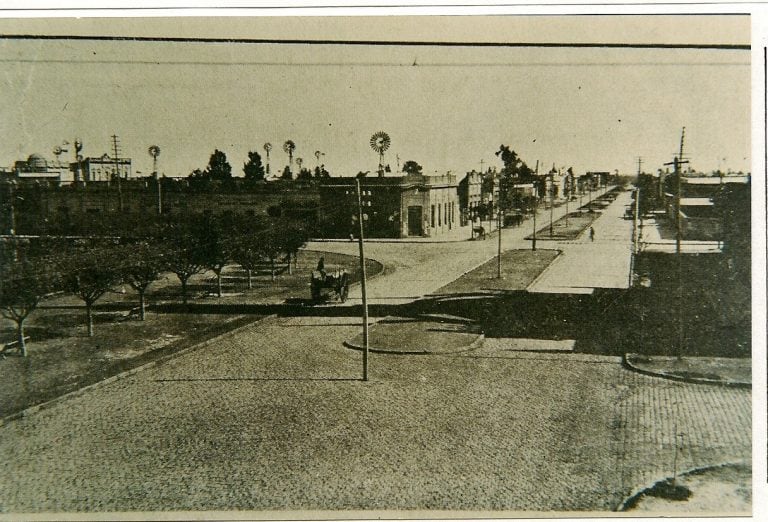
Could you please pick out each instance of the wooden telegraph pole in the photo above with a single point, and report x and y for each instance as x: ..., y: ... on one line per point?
x: 677, y: 163
x: 535, y: 207
x: 362, y: 281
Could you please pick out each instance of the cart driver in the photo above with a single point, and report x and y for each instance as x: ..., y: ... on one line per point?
x: 321, y: 266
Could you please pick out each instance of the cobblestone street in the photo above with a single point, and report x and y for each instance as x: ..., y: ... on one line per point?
x: 256, y: 422
x: 275, y: 417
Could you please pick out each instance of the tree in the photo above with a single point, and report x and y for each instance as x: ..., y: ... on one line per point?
x: 287, y: 173
x: 216, y: 248
x: 254, y: 168
x: 412, y: 168
x: 184, y: 257
x: 218, y: 167
x: 304, y: 175
x: 294, y: 237
x: 271, y: 246
x: 22, y: 287
x: 89, y: 273
x: 515, y: 171
x: 247, y: 253
x: 143, y: 266
x: 320, y: 172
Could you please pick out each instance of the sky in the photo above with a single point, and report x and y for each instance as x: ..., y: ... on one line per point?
x: 448, y: 108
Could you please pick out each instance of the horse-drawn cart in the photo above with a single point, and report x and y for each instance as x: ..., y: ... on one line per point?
x: 325, y: 285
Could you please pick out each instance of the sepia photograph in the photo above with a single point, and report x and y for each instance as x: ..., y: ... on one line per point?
x: 327, y: 267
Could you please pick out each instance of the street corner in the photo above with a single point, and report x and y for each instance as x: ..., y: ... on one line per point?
x: 721, y: 490
x: 723, y: 371
x: 420, y: 336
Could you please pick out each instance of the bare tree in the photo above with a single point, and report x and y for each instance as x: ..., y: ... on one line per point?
x: 22, y: 287
x: 144, y: 263
x: 96, y: 270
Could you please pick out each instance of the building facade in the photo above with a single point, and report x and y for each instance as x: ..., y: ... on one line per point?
x: 102, y: 169
x: 38, y: 169
x: 412, y: 205
x: 700, y: 217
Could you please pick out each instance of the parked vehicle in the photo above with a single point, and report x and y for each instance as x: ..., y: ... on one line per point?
x: 326, y: 284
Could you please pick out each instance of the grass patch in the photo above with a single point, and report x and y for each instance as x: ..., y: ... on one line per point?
x: 518, y: 270
x: 567, y: 227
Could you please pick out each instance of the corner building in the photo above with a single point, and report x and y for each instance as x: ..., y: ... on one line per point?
x: 413, y: 205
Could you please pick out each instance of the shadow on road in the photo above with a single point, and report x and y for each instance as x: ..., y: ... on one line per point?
x: 606, y: 322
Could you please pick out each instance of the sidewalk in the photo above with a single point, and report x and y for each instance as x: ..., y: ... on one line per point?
x: 585, y: 265
x: 651, y: 241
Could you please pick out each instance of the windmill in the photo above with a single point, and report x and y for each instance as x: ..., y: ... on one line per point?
x: 267, y: 148
x: 154, y: 151
x: 317, y: 155
x: 289, y: 146
x: 57, y: 150
x: 380, y: 142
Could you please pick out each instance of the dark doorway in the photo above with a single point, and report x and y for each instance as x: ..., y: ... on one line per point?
x: 414, y: 221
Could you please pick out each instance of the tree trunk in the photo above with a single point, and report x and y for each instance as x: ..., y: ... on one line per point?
x: 250, y: 279
x: 142, y: 307
x: 22, y: 342
x: 272, y: 262
x: 183, y: 290
x: 290, y: 266
x: 89, y: 318
x: 218, y: 283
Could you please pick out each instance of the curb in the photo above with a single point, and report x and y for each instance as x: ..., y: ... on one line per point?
x: 691, y: 380
x: 639, y: 491
x: 125, y: 374
x: 471, y: 346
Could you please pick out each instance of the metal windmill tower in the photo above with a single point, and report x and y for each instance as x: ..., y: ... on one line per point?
x: 380, y: 142
x: 289, y: 146
x: 267, y: 148
x: 154, y: 151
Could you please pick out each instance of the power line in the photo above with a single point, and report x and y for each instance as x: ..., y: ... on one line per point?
x: 408, y: 64
x: 380, y: 43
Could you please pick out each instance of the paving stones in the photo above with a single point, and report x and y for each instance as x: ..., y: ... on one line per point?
x: 255, y: 424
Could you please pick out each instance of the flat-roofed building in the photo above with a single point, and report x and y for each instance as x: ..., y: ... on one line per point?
x: 413, y: 205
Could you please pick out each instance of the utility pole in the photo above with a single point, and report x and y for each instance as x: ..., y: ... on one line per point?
x: 481, y: 166
x: 500, y: 225
x: 535, y: 208
x: 362, y: 281
x: 551, y: 200
x: 116, y: 153
x: 677, y: 163
x: 567, y: 197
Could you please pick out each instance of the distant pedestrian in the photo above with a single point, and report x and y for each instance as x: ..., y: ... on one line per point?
x: 591, y: 233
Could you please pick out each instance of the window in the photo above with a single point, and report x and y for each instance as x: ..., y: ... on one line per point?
x: 432, y: 224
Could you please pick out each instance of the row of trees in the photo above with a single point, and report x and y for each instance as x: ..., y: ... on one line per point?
x: 219, y: 170
x: 88, y: 268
